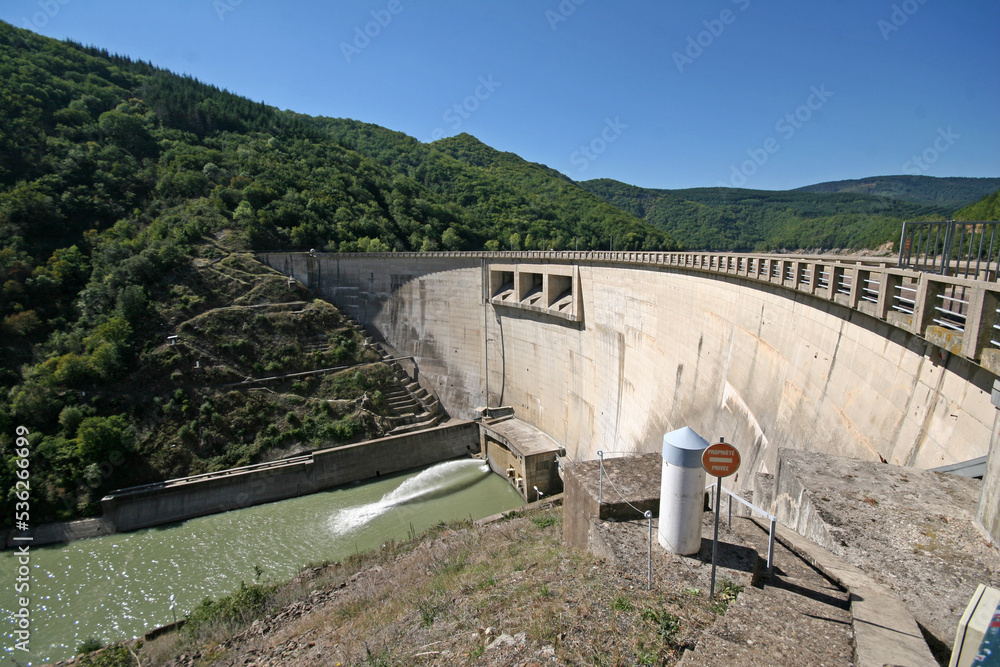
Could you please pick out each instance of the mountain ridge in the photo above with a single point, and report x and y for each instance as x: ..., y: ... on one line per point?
x: 714, y: 218
x: 948, y: 191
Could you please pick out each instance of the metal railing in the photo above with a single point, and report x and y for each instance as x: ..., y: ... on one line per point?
x: 910, y: 292
x: 960, y: 249
x: 770, y: 517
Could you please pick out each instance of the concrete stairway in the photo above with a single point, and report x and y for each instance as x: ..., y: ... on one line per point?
x: 410, y: 413
x: 413, y: 407
x: 795, y: 617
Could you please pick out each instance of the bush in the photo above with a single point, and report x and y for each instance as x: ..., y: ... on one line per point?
x: 70, y: 419
x: 667, y: 625
x: 89, y: 644
x: 116, y: 656
x: 240, y: 607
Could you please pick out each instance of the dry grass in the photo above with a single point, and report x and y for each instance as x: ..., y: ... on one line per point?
x: 442, y: 598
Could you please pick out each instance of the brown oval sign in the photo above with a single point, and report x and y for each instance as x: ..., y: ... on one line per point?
x: 721, y: 460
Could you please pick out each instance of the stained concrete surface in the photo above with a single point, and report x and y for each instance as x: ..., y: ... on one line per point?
x: 910, y: 530
x: 659, y: 348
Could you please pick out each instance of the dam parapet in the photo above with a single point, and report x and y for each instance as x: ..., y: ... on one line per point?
x: 958, y: 313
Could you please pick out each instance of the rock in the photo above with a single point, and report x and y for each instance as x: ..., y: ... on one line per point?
x: 520, y: 639
x: 501, y: 641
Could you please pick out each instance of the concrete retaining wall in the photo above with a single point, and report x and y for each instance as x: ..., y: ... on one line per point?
x: 658, y: 348
x: 187, y: 498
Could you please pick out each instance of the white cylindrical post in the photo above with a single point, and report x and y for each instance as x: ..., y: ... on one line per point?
x: 682, y: 492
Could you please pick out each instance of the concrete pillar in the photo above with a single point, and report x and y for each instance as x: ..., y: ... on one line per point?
x: 988, y: 512
x: 682, y: 492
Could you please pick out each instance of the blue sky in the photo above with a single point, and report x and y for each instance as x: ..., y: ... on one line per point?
x: 756, y: 94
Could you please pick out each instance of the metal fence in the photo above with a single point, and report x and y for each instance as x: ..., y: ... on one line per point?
x: 958, y: 249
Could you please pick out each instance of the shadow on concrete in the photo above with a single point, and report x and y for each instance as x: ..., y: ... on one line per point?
x: 818, y: 596
x: 732, y: 556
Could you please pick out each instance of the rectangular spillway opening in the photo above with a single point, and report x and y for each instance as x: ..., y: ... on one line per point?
x: 559, y: 292
x: 502, y: 285
x: 530, y: 288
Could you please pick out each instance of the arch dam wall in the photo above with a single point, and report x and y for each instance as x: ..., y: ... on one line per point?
x: 608, y: 351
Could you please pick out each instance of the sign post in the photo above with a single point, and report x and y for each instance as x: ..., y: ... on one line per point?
x: 721, y: 460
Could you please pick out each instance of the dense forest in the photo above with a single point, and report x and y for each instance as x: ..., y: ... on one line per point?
x: 763, y: 220
x: 946, y: 192
x: 986, y: 209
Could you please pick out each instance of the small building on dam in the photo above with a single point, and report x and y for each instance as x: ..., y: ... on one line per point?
x: 608, y: 351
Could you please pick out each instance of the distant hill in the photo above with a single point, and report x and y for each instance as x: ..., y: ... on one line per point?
x: 737, y: 219
x: 509, y: 202
x: 950, y: 192
x: 986, y: 209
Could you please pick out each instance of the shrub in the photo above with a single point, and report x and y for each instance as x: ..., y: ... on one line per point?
x: 89, y: 644
x: 242, y: 606
x: 667, y: 625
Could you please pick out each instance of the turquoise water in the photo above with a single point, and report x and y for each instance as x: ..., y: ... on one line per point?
x: 119, y: 586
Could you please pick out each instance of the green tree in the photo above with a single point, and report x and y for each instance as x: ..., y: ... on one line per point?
x: 101, y: 438
x: 451, y: 240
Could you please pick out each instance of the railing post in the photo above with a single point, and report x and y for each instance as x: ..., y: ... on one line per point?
x: 857, y: 284
x: 770, y: 547
x: 949, y: 239
x: 903, y: 247
x: 600, y: 484
x: 926, y: 298
x: 983, y: 304
x: 888, y: 283
x: 649, y: 553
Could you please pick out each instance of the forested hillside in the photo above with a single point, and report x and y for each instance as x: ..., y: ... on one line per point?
x: 986, y: 209
x: 763, y: 220
x: 128, y: 197
x: 946, y: 192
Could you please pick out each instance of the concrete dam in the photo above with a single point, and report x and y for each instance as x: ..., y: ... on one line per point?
x: 610, y: 350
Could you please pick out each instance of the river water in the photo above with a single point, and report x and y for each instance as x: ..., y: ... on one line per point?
x: 119, y: 586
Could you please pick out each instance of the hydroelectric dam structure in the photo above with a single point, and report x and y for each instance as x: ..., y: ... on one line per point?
x: 610, y: 350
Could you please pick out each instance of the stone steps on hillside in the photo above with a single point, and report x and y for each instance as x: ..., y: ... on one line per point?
x: 422, y: 421
x: 414, y: 407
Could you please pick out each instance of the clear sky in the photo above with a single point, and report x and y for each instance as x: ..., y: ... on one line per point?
x: 769, y: 95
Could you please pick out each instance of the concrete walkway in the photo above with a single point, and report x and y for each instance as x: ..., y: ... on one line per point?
x: 885, y: 632
x: 797, y: 617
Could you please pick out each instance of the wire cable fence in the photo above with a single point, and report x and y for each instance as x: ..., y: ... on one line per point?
x: 648, y: 515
